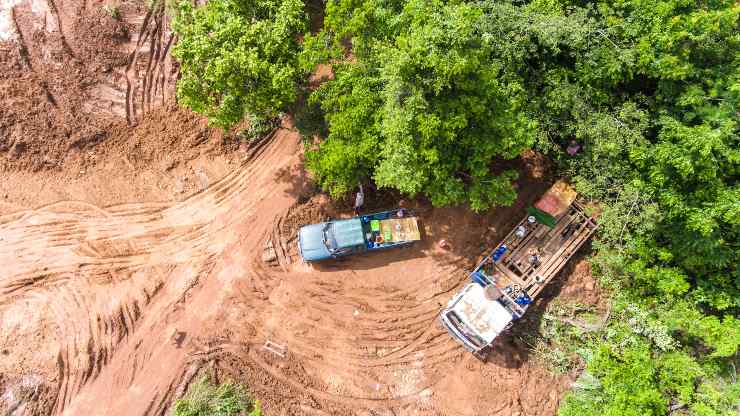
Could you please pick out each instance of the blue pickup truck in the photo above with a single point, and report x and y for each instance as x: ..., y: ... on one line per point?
x: 338, y: 238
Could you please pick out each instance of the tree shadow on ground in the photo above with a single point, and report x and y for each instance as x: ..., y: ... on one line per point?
x: 300, y: 184
x: 315, y: 10
x: 472, y: 236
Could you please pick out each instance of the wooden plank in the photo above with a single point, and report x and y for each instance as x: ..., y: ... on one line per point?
x: 574, y: 243
x: 509, y: 274
x: 515, y: 249
x: 520, y: 255
x: 533, y: 293
x: 401, y: 229
x: 561, y: 257
x: 543, y: 247
x: 554, y: 251
x: 555, y: 260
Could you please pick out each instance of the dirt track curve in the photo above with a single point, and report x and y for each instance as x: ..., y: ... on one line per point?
x: 102, y: 286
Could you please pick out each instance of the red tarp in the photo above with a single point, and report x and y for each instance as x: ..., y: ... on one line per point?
x: 557, y: 199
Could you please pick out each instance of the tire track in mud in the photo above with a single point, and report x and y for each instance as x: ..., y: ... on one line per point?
x: 389, y: 353
x: 145, y: 79
x: 364, y: 334
x: 82, y: 275
x: 149, y: 73
x: 47, y: 242
x: 52, y: 6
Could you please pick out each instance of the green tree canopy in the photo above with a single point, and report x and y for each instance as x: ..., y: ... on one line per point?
x: 238, y: 57
x: 650, y: 88
x: 424, y: 105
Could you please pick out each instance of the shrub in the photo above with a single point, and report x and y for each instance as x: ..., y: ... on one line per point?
x: 238, y: 58
x: 112, y: 11
x: 205, y: 399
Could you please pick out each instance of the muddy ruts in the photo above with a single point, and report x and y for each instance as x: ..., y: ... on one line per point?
x: 80, y: 283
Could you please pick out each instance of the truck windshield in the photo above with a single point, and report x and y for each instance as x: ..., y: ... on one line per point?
x: 329, y: 241
x: 470, y: 336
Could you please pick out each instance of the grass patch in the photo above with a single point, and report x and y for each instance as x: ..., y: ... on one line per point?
x: 206, y: 399
x: 566, y: 330
x: 112, y: 11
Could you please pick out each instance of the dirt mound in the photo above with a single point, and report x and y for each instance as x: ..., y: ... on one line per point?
x: 184, y: 134
x: 72, y: 71
x: 318, y: 208
x: 582, y: 286
x: 40, y: 114
x: 99, y: 39
x: 169, y: 155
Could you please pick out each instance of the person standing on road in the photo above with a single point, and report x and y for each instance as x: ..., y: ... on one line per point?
x: 359, y: 201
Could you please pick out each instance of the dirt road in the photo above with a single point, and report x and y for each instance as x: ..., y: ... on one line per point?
x: 114, y: 310
x: 96, y: 286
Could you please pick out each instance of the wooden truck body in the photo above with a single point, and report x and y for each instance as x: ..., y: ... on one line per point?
x: 507, y: 280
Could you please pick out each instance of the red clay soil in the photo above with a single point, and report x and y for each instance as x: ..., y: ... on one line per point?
x: 72, y: 72
x: 63, y: 133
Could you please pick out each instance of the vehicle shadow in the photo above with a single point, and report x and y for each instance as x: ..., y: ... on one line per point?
x: 372, y: 260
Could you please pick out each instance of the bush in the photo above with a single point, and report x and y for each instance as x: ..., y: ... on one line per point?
x: 258, y: 127
x: 112, y: 11
x: 205, y: 399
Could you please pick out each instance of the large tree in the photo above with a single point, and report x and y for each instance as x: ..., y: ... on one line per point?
x: 238, y: 57
x: 423, y: 105
x: 650, y: 88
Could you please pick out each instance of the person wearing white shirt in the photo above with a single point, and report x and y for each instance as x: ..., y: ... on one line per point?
x: 359, y: 201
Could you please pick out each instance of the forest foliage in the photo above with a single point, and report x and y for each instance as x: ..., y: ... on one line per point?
x: 424, y: 106
x: 431, y: 97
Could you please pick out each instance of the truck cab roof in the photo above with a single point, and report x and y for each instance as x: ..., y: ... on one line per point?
x: 369, y: 232
x: 476, y: 319
x: 346, y: 233
x: 321, y: 241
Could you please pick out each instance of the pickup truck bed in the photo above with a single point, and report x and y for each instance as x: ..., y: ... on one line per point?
x: 510, y: 277
x: 394, y: 230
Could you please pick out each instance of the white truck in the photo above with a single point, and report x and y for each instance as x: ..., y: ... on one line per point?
x: 507, y: 281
